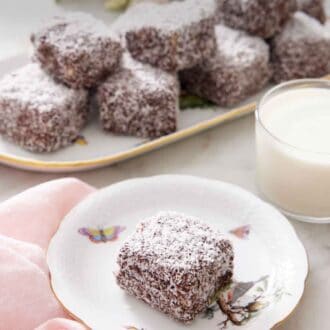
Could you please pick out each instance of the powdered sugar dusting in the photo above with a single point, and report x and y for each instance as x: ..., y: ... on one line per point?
x: 314, y: 8
x: 39, y: 114
x: 301, y: 50
x: 239, y: 68
x: 75, y: 31
x: 31, y: 85
x: 139, y: 100
x: 77, y: 50
x: 176, y: 240
x: 175, y: 263
x: 237, y: 47
x: 171, y: 16
x: 148, y: 77
x: 302, y: 26
x: 263, y: 18
x: 246, y: 3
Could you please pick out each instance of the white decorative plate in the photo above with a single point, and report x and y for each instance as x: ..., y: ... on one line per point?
x: 97, y: 148
x: 270, y: 261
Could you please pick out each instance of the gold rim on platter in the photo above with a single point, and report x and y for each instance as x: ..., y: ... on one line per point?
x: 136, y: 151
x: 61, y: 166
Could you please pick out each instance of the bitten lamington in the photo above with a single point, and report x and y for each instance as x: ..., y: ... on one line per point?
x: 171, y: 36
x: 77, y: 50
x: 139, y: 100
x: 39, y: 114
x: 239, y: 68
x: 263, y: 18
x: 175, y: 263
x: 301, y: 50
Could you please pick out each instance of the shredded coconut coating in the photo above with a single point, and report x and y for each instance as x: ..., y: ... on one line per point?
x: 77, y: 50
x: 301, y: 50
x: 240, y: 68
x: 263, y: 18
x: 139, y: 100
x: 171, y: 36
x: 175, y: 263
x: 39, y: 114
x: 314, y: 8
x: 170, y: 17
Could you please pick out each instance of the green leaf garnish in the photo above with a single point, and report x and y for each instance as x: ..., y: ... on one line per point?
x: 192, y: 101
x: 116, y: 4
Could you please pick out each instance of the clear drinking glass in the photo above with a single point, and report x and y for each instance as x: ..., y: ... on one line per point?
x: 296, y: 179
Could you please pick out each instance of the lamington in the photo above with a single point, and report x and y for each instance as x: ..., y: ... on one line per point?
x: 301, y: 50
x: 176, y: 264
x: 314, y: 8
x: 139, y: 100
x: 171, y: 36
x: 263, y: 18
x: 77, y: 50
x: 239, y: 68
x: 39, y: 114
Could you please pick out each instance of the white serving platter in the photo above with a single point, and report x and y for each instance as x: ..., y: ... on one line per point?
x: 97, y: 148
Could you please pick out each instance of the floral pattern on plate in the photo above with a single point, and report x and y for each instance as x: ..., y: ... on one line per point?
x: 239, y: 302
x: 102, y: 235
x: 268, y: 280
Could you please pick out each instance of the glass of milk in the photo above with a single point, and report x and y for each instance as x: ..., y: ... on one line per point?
x: 293, y: 149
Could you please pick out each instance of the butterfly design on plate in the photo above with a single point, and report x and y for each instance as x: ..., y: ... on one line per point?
x: 242, y: 232
x: 104, y: 235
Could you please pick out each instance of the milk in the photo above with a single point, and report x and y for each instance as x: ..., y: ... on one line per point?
x: 293, y: 149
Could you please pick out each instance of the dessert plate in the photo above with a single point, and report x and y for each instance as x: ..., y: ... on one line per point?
x: 270, y: 261
x: 96, y: 148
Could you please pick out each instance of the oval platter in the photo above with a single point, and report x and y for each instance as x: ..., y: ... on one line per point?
x: 95, y: 148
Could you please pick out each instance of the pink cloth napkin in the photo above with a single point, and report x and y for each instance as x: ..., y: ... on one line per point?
x: 27, y: 223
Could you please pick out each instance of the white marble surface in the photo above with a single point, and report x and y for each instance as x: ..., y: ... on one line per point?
x: 224, y: 153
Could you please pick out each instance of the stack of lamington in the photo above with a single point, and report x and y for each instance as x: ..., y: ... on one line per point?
x: 221, y: 50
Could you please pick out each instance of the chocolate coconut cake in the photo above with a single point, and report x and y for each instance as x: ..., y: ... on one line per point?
x: 263, y: 18
x: 314, y: 8
x: 301, y: 50
x: 139, y: 100
x: 77, y: 50
x: 239, y: 68
x: 175, y: 263
x: 171, y: 36
x: 39, y: 114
